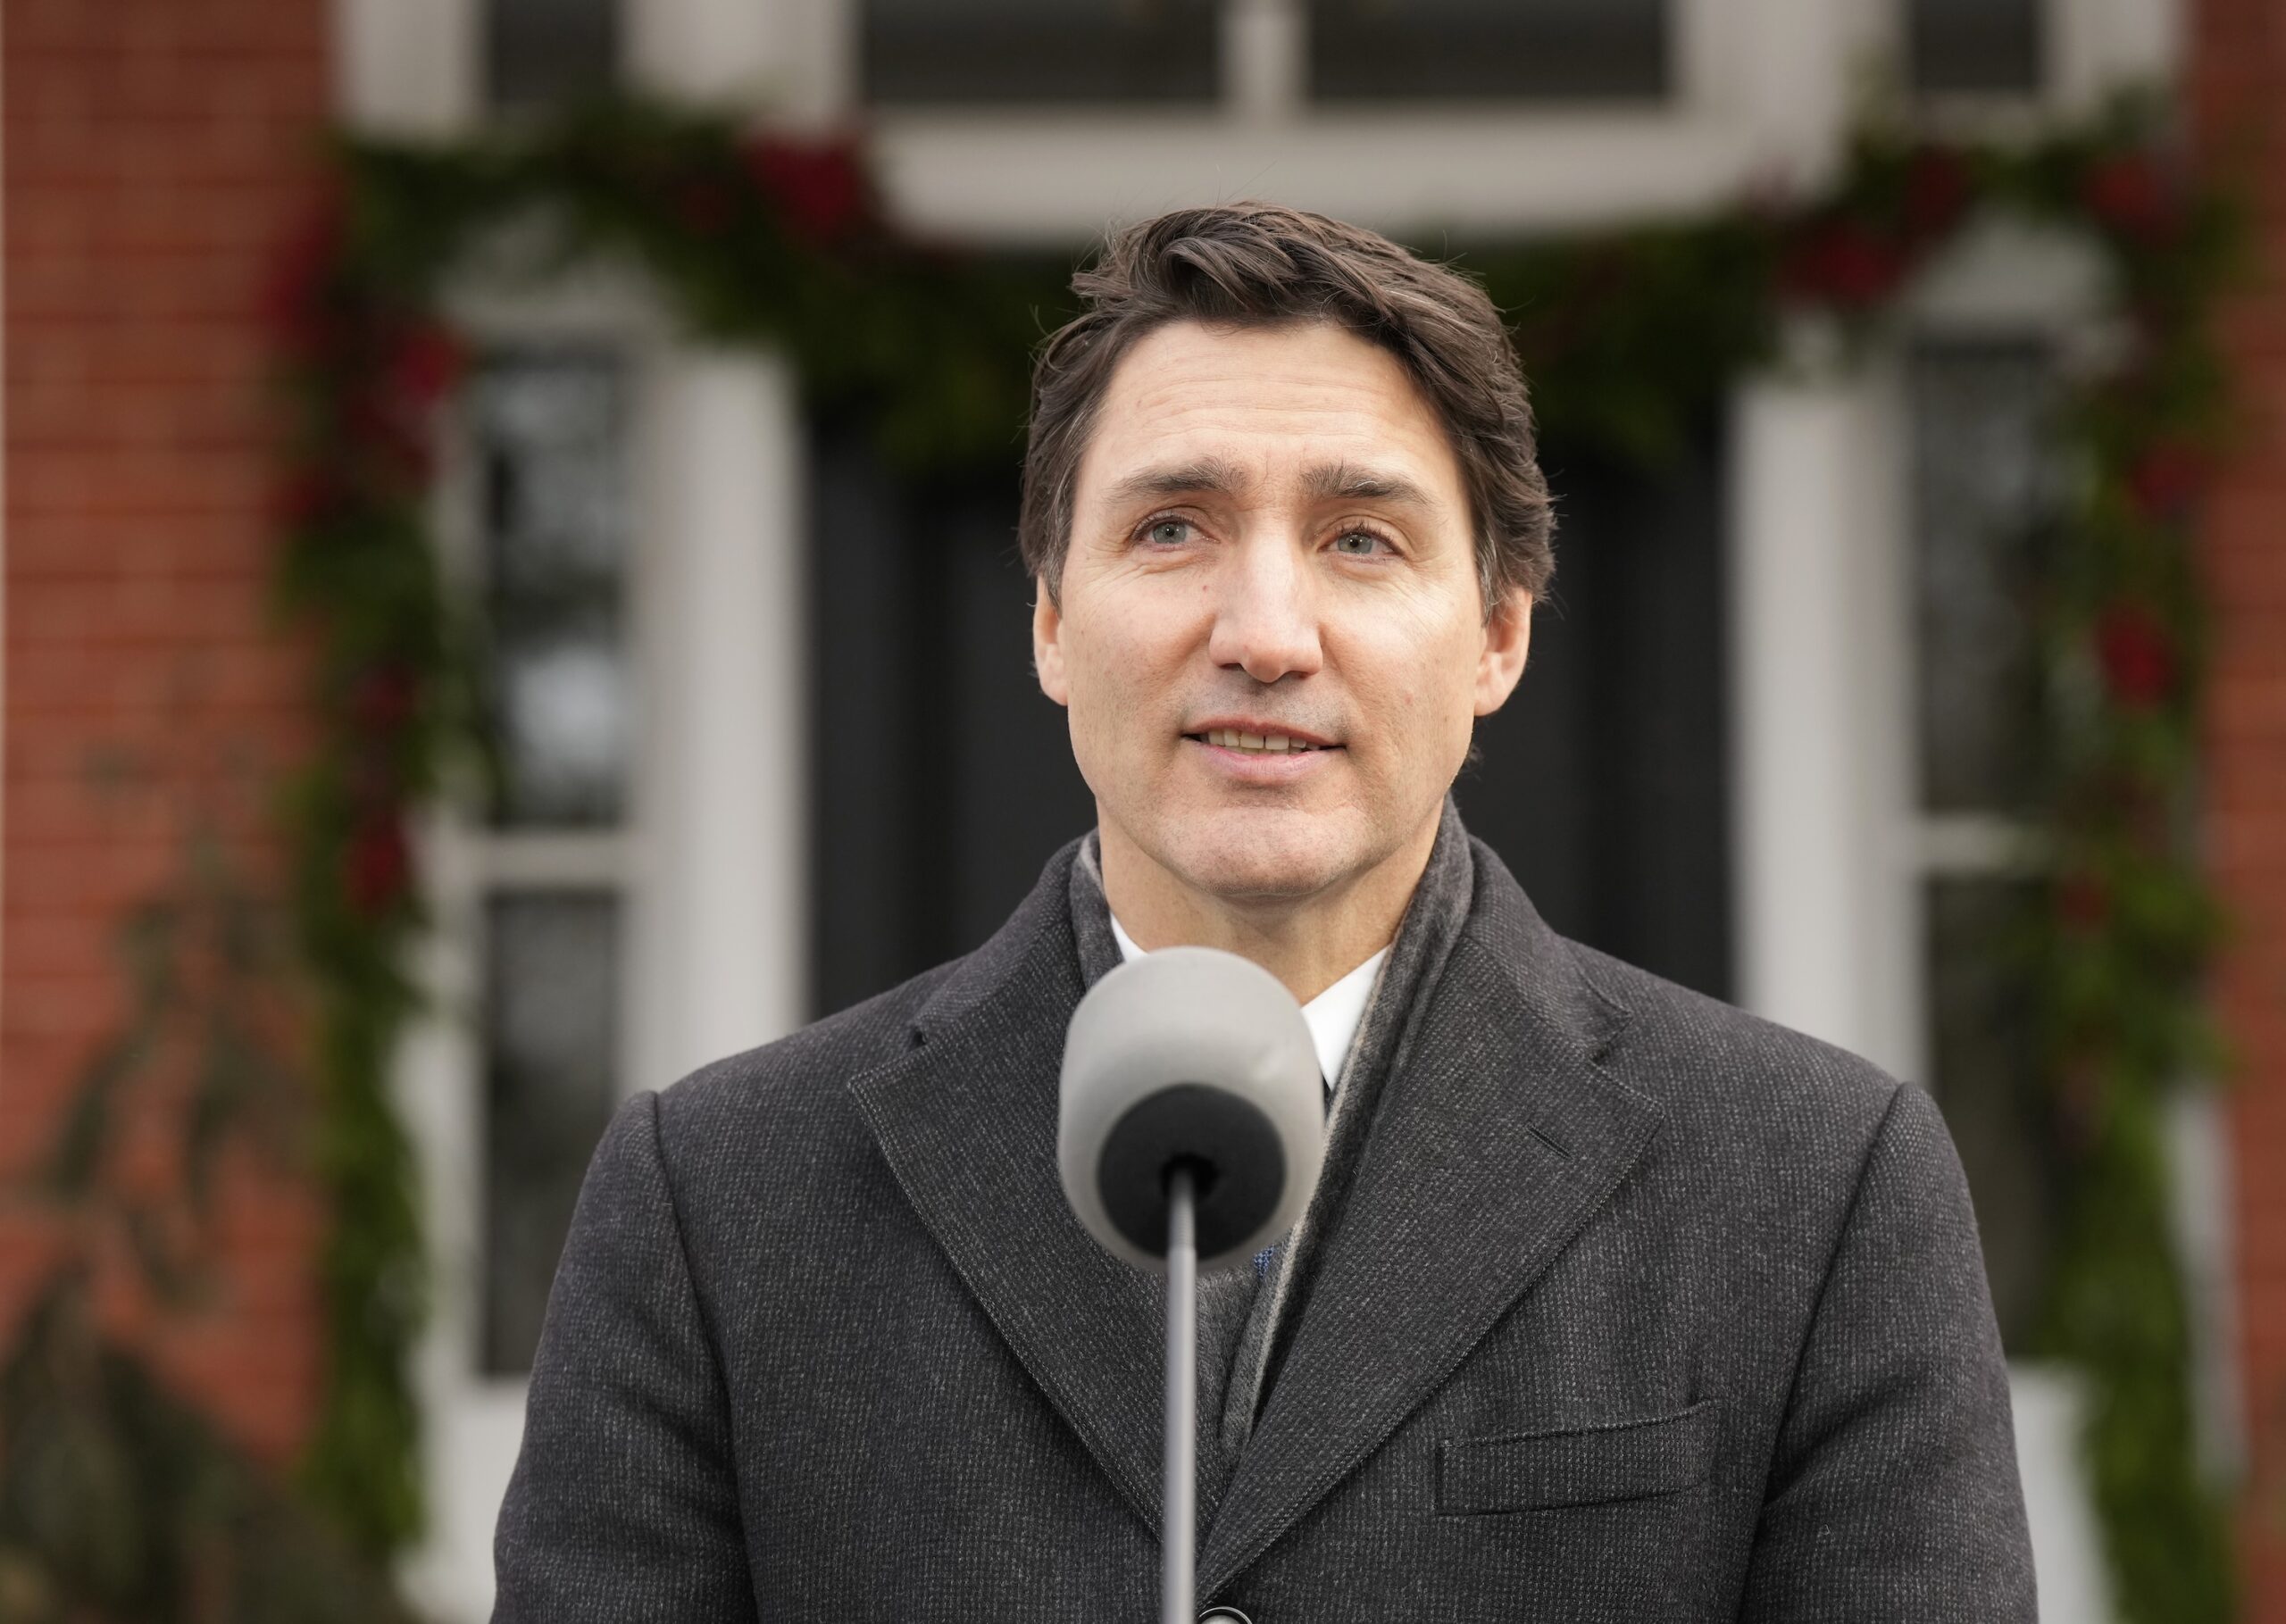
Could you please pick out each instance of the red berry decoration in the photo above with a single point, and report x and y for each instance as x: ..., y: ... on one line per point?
x: 2133, y: 196
x: 704, y: 207
x: 2165, y: 480
x: 378, y: 864
x: 1938, y: 189
x: 820, y: 187
x: 2136, y: 655
x: 2084, y: 901
x: 384, y: 699
x: 426, y: 362
x: 1843, y: 262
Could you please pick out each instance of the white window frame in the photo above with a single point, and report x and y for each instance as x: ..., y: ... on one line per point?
x: 472, y: 1421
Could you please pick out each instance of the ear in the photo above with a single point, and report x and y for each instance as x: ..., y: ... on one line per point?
x: 1048, y: 644
x: 1507, y: 636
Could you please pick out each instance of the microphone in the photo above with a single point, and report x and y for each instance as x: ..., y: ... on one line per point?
x: 1189, y: 1057
x: 1191, y: 1128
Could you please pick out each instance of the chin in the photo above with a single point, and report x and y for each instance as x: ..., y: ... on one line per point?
x: 1262, y: 855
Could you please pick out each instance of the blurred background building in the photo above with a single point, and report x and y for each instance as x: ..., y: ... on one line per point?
x: 767, y: 735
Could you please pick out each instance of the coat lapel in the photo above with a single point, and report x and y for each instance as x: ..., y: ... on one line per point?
x: 1493, y: 1141
x: 967, y: 1120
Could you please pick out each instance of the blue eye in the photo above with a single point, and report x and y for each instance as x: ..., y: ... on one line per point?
x: 1357, y: 544
x: 1167, y: 532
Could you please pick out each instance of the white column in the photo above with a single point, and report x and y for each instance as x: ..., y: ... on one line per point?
x: 2049, y: 1403
x: 2102, y: 47
x: 1262, y: 75
x: 1817, y: 689
x: 406, y: 67
x: 724, y: 815
x: 789, y: 59
x: 1792, y: 70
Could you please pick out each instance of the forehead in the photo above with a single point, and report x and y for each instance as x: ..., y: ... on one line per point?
x: 1274, y: 400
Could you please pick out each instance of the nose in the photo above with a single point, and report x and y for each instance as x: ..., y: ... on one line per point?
x: 1265, y: 612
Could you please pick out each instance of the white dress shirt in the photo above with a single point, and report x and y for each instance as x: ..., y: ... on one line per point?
x: 1333, y: 1015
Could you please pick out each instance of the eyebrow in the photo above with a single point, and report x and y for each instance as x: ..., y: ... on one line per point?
x: 1348, y: 482
x: 1208, y: 476
x: 1341, y: 481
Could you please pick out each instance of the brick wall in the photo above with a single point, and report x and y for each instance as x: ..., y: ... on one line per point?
x: 2238, y: 75
x: 156, y: 152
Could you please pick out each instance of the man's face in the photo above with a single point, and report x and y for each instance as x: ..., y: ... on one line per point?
x: 1271, y: 546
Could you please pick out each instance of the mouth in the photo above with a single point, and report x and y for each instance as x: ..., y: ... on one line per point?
x: 1261, y: 741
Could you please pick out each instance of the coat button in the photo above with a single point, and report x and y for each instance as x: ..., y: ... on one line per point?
x: 1223, y: 1615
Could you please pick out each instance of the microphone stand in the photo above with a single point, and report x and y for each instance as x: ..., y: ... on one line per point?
x: 1178, y: 1516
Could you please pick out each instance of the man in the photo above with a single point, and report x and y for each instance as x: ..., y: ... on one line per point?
x: 1611, y: 1303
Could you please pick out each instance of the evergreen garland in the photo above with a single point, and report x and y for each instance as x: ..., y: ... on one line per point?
x: 1626, y: 336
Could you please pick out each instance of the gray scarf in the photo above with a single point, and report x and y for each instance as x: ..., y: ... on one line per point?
x: 1245, y: 1325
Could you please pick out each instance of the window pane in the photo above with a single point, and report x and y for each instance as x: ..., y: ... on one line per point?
x: 1041, y: 51
x: 1992, y: 46
x: 1982, y: 1050
x: 550, y: 1038
x: 1541, y: 50
x: 550, y: 432
x: 538, y: 52
x: 1984, y: 486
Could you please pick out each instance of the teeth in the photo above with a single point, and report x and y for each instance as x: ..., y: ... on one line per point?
x: 1268, y: 743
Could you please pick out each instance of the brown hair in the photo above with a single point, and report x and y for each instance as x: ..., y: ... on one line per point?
x: 1254, y: 264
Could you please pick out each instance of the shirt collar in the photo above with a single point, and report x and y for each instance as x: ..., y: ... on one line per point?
x: 1333, y: 1015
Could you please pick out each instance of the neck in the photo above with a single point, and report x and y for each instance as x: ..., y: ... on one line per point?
x: 1307, y: 942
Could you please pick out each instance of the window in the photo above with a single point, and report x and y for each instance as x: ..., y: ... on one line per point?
x: 537, y: 52
x: 1040, y: 52
x: 1976, y: 47
x: 1984, y: 483
x: 551, y: 1032
x: 555, y: 544
x: 1448, y: 50
x: 549, y: 434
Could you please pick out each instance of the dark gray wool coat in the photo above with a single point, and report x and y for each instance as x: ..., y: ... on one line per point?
x: 1614, y: 1303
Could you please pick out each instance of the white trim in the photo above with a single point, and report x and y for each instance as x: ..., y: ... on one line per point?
x: 784, y: 56
x: 2102, y: 45
x: 2049, y: 1407
x: 545, y: 858
x: 1812, y: 685
x: 1974, y: 843
x: 407, y: 67
x: 726, y: 938
x: 1263, y: 62
x: 1046, y: 180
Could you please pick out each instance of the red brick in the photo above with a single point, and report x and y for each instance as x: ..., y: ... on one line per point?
x: 157, y: 153
x: 2237, y: 76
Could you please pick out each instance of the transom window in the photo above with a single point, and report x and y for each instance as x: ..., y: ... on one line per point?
x: 1013, y: 52
x: 539, y: 52
x: 1463, y: 50
x: 1976, y: 47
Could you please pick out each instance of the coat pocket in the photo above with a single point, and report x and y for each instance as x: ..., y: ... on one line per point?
x: 1578, y: 1466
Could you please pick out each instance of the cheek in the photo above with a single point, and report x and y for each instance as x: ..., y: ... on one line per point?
x: 1114, y: 667
x: 1419, y: 670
